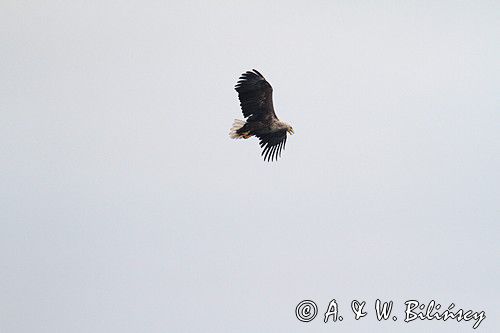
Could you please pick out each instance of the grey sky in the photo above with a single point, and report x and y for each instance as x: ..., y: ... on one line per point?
x: 125, y: 206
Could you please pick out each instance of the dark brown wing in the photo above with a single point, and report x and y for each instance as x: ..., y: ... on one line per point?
x: 256, y: 97
x: 272, y: 144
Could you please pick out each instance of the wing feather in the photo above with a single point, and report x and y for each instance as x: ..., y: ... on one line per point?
x: 272, y: 143
x: 256, y: 96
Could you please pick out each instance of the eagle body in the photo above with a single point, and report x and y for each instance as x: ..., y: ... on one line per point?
x: 255, y: 95
x: 260, y: 127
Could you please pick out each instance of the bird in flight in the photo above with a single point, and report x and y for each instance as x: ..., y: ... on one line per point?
x: 256, y: 100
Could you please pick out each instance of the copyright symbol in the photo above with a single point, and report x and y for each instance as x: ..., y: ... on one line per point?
x: 306, y: 311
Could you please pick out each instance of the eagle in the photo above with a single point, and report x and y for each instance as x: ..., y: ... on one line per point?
x: 256, y: 100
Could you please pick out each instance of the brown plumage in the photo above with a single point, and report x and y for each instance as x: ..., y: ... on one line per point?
x: 256, y: 100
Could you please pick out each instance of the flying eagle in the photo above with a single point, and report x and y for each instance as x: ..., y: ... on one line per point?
x: 256, y: 100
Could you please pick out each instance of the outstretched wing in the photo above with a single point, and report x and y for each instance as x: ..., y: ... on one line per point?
x: 272, y: 144
x: 256, y: 96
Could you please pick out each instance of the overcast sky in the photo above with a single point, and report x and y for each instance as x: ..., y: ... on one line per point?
x: 126, y: 207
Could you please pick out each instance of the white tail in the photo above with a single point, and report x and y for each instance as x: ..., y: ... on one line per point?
x: 236, y: 126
